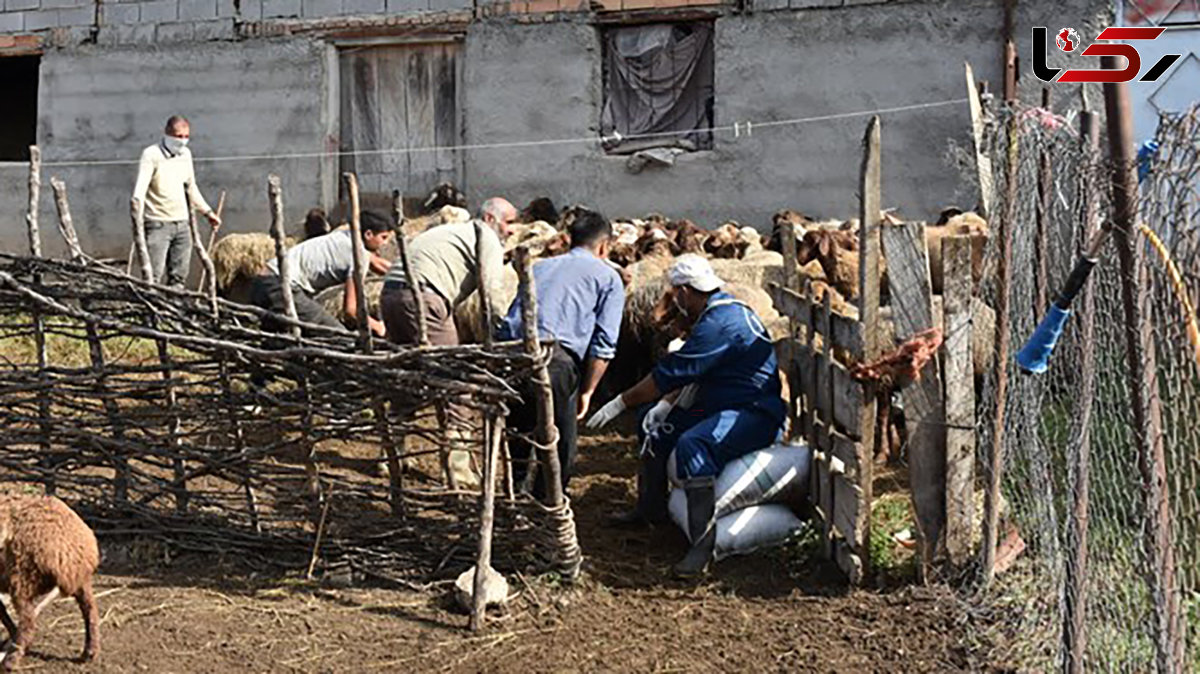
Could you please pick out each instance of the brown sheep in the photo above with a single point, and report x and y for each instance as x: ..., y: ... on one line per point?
x: 47, y: 550
x: 727, y: 242
x: 688, y: 236
x: 837, y: 252
x: 541, y: 208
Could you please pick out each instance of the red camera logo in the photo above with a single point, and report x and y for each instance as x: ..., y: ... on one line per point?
x: 1067, y: 40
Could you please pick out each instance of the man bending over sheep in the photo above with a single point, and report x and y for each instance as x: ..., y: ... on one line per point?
x: 446, y: 266
x: 737, y: 407
x: 320, y: 263
x: 580, y: 301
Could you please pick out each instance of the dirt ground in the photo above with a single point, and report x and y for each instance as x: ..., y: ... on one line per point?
x: 773, y: 611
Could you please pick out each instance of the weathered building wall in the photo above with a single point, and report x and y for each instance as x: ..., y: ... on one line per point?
x: 253, y: 98
x: 525, y: 79
x: 543, y: 81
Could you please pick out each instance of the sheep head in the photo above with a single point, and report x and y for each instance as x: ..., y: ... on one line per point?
x: 445, y: 194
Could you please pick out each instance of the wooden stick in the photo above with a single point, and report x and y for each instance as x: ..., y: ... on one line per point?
x: 35, y: 187
x: 983, y: 163
x: 139, y: 241
x: 1167, y: 626
x: 870, y: 203
x: 483, y: 281
x: 545, y: 434
x: 406, y: 264
x: 360, y: 267
x: 39, y: 326
x: 65, y: 226
x: 275, y: 196
x: 212, y: 236
x: 1041, y: 246
x: 493, y: 431
x: 991, y: 500
x: 209, y: 277
x: 316, y: 551
x: 1075, y: 610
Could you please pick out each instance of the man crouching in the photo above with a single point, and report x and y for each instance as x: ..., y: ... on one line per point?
x: 737, y: 407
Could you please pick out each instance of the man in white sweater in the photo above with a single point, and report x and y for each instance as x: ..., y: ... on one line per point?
x: 165, y: 168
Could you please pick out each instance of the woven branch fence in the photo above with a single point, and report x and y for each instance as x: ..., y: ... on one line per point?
x: 172, y: 414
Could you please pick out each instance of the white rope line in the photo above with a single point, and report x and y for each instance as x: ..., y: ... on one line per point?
x: 738, y: 129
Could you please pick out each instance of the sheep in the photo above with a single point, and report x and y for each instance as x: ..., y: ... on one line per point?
x: 47, y: 550
x: 315, y: 224
x: 837, y: 252
x: 727, y: 242
x: 444, y: 194
x: 541, y: 208
x: 963, y: 224
x: 688, y: 236
x: 238, y: 259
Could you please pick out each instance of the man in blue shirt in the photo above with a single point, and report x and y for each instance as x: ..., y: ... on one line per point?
x: 737, y: 408
x: 580, y: 301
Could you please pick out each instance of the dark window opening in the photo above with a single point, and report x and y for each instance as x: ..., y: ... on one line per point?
x: 18, y: 117
x: 658, y: 87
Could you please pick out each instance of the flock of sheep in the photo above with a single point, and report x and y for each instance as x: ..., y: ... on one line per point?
x: 46, y: 549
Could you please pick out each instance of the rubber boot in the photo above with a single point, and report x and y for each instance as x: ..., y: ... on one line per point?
x: 701, y: 505
x: 651, y: 508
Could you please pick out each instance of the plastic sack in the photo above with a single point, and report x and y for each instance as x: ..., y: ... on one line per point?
x: 775, y: 474
x: 746, y: 530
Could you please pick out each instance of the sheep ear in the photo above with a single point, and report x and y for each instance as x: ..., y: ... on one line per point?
x: 823, y: 246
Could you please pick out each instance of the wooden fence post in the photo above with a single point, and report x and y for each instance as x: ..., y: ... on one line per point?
x: 1075, y: 610
x: 39, y: 325
x: 870, y: 205
x: 406, y: 265
x: 991, y: 498
x: 360, y: 262
x: 209, y: 277
x: 112, y: 409
x: 487, y: 512
x: 912, y: 312
x: 275, y: 198
x: 1143, y: 381
x: 546, y: 434
x: 960, y: 400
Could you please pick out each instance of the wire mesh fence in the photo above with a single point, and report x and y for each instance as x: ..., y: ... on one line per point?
x: 1075, y: 490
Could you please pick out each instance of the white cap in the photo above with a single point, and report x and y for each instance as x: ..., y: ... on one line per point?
x: 695, y: 271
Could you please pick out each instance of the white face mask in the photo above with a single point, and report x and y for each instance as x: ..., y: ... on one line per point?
x: 173, y: 144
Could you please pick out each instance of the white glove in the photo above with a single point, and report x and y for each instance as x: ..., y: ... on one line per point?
x: 656, y: 416
x: 607, y: 413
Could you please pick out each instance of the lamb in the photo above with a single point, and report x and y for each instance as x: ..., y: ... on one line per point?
x: 688, y: 236
x: 47, y: 550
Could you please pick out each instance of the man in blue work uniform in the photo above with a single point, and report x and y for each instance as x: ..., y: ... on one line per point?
x: 737, y: 408
x: 580, y: 301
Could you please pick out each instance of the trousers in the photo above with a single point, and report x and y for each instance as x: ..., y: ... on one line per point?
x: 564, y: 371
x: 267, y: 293
x: 170, y: 247
x: 704, y: 440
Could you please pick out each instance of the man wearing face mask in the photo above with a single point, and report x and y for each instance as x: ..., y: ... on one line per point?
x: 165, y: 168
x: 580, y: 301
x: 737, y: 407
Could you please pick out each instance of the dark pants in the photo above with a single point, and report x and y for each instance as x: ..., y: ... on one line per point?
x: 564, y: 388
x: 267, y: 293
